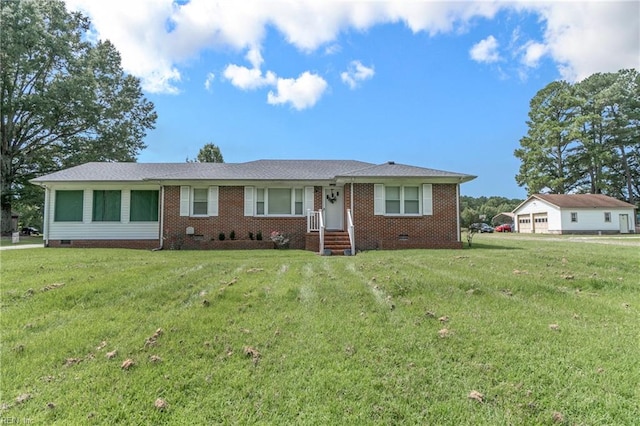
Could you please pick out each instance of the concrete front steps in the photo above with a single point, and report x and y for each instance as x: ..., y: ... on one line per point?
x: 336, y: 242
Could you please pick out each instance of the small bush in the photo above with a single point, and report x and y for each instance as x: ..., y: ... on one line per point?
x: 221, y: 236
x: 232, y: 235
x: 251, y: 236
x: 259, y: 236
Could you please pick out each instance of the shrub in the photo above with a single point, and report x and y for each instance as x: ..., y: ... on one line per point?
x: 280, y: 239
x: 221, y: 236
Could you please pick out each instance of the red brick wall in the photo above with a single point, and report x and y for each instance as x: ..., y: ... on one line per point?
x: 372, y: 232
x: 230, y: 218
x: 439, y: 230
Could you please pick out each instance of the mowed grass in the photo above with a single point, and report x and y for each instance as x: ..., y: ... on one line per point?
x: 544, y: 333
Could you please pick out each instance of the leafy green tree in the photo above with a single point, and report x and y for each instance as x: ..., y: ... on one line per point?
x: 584, y: 137
x: 64, y: 100
x: 546, y: 150
x: 474, y: 209
x: 210, y: 153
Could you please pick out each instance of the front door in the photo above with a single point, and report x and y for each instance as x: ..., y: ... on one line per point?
x: 624, y: 223
x: 333, y: 203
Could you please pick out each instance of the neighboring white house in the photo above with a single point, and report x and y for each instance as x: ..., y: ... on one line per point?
x: 574, y: 214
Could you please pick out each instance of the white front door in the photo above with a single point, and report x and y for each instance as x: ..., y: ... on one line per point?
x: 624, y: 223
x: 333, y: 203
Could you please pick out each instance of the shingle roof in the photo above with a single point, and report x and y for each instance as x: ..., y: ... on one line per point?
x: 392, y: 169
x: 253, y: 170
x: 582, y: 201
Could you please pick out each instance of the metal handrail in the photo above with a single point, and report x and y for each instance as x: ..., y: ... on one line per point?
x: 350, y: 229
x: 321, y: 229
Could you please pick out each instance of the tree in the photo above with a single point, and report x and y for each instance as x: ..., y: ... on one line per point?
x: 64, y: 100
x: 210, y: 153
x: 545, y: 150
x: 584, y: 137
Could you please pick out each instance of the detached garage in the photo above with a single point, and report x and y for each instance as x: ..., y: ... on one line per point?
x: 574, y: 214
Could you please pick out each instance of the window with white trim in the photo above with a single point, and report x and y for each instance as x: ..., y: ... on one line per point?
x: 200, y: 202
x: 279, y: 202
x: 574, y: 217
x: 607, y: 216
x: 405, y: 200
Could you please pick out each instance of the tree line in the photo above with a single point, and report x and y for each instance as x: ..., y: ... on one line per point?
x: 483, y: 209
x: 584, y: 138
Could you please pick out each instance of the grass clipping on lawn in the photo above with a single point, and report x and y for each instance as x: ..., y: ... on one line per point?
x: 419, y: 337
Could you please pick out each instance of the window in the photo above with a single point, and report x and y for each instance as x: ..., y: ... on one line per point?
x: 199, y: 202
x: 106, y: 206
x: 411, y: 200
x: 68, y: 206
x: 401, y: 200
x: 607, y: 216
x: 279, y: 201
x: 144, y: 206
x: 574, y: 217
x: 298, y: 201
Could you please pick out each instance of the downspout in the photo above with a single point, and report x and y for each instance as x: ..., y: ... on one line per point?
x: 353, y: 249
x: 47, y: 208
x: 458, y: 211
x: 161, y: 220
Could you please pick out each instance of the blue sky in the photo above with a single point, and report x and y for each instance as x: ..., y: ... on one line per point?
x: 431, y: 84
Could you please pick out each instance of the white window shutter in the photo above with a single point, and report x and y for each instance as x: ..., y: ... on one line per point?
x: 308, y: 198
x: 248, y: 200
x: 427, y: 199
x: 185, y: 192
x: 378, y: 199
x: 212, y: 205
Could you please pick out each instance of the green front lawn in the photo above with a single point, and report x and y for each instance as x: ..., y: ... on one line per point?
x: 24, y: 239
x: 507, y: 332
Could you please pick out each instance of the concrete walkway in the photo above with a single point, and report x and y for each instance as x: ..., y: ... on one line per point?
x: 21, y: 246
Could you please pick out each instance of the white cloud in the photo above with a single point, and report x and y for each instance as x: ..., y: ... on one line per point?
x: 533, y: 51
x: 355, y: 73
x: 302, y: 92
x: 209, y: 80
x: 249, y: 78
x: 588, y: 37
x: 156, y: 38
x: 485, y: 50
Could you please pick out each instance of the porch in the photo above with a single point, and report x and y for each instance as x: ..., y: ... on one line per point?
x: 329, y: 241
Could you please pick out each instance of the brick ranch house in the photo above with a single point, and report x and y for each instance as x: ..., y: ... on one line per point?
x: 326, y: 206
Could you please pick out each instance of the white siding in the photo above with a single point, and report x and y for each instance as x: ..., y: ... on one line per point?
x: 125, y: 205
x: 589, y: 220
x: 88, y: 230
x: 593, y: 220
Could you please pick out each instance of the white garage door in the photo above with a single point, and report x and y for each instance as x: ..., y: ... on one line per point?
x: 540, y: 223
x: 524, y: 224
